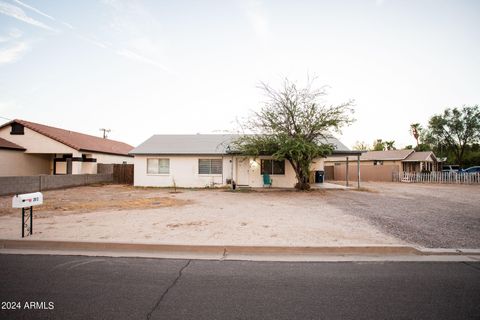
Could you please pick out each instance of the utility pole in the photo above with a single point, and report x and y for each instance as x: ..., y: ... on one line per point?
x: 105, y: 131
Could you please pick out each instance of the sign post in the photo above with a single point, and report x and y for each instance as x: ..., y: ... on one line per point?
x: 26, y: 202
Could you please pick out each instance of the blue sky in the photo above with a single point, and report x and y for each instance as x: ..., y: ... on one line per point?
x: 146, y: 67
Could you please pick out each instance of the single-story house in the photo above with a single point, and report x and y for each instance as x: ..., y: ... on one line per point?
x: 204, y: 160
x: 28, y: 148
x: 380, y: 165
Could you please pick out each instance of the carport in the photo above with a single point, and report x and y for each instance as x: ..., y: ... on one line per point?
x: 349, y: 154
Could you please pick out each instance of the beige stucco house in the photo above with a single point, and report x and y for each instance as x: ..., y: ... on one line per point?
x: 203, y: 160
x: 28, y: 148
x: 382, y: 165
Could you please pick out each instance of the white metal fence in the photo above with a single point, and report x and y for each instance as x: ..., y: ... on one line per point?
x: 437, y: 177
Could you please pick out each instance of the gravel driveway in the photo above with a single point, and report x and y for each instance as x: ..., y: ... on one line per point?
x: 434, y: 216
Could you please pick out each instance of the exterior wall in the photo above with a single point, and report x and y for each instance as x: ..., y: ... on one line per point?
x: 26, y: 184
x: 249, y: 173
x: 18, y: 163
x: 353, y: 161
x: 35, y: 142
x: 367, y: 172
x: 111, y: 158
x: 184, y: 171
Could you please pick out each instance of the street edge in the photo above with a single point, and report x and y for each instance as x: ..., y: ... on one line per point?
x: 223, y: 251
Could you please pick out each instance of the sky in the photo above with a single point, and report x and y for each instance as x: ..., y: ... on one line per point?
x: 141, y: 68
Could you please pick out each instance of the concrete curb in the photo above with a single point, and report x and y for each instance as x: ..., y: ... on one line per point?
x: 223, y: 251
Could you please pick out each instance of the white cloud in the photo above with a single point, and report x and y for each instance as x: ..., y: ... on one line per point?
x: 257, y: 18
x: 34, y: 9
x: 13, y: 53
x: 43, y: 13
x: 137, y: 57
x: 19, y: 14
x: 98, y: 43
x: 68, y: 25
x: 14, y: 33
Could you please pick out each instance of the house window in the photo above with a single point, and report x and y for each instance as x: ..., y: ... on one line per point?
x: 378, y: 163
x: 272, y: 166
x: 210, y: 166
x: 158, y: 166
x: 17, y: 128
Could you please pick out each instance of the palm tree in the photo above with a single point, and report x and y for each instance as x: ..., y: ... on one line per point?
x: 390, y: 145
x: 415, y: 129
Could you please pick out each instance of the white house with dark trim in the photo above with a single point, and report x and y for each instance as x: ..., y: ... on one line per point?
x: 28, y: 148
x: 205, y: 160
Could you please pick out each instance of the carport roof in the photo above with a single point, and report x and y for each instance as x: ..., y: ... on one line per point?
x: 198, y: 144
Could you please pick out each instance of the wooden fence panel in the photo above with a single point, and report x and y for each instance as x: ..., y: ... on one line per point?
x: 123, y: 173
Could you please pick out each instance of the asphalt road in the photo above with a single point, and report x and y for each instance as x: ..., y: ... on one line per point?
x: 134, y: 288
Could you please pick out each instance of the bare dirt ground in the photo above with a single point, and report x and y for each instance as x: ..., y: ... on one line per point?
x: 127, y: 214
x: 445, y: 216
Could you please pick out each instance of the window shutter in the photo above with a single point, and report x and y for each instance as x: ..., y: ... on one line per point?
x: 164, y: 166
x: 152, y: 166
x: 216, y: 167
x: 203, y: 166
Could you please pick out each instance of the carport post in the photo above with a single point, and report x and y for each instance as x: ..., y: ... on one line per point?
x: 358, y: 171
x: 346, y: 173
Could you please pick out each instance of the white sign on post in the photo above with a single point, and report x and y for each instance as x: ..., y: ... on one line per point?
x: 27, y: 200
x: 26, y: 203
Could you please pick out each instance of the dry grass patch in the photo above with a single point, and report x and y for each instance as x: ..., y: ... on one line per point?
x: 81, y: 206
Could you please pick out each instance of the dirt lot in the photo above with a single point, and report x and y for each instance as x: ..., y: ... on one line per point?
x: 127, y: 214
x: 386, y: 213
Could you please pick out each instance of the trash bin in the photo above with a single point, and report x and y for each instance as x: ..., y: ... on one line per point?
x: 319, y: 176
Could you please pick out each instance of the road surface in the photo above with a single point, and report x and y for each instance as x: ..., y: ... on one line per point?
x: 75, y: 287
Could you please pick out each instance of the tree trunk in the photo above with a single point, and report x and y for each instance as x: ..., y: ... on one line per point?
x: 302, y: 177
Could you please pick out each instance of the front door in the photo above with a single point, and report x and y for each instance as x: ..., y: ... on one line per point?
x: 243, y: 171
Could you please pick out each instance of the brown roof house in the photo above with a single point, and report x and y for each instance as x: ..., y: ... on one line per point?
x: 28, y: 148
x: 381, y: 165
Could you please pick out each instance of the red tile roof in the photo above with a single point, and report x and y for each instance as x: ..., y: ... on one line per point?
x: 76, y: 140
x: 5, y: 144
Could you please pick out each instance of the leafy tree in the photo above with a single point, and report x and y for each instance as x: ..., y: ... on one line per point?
x: 456, y: 129
x: 423, y: 147
x: 390, y: 145
x: 293, y: 125
x: 378, y: 145
x: 409, y: 147
x: 360, y: 146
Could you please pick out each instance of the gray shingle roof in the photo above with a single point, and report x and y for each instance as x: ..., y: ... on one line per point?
x: 188, y: 144
x: 420, y: 156
x: 386, y: 155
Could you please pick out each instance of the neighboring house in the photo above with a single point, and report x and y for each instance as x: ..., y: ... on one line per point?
x: 380, y: 165
x: 208, y: 160
x: 28, y: 148
x: 422, y: 161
